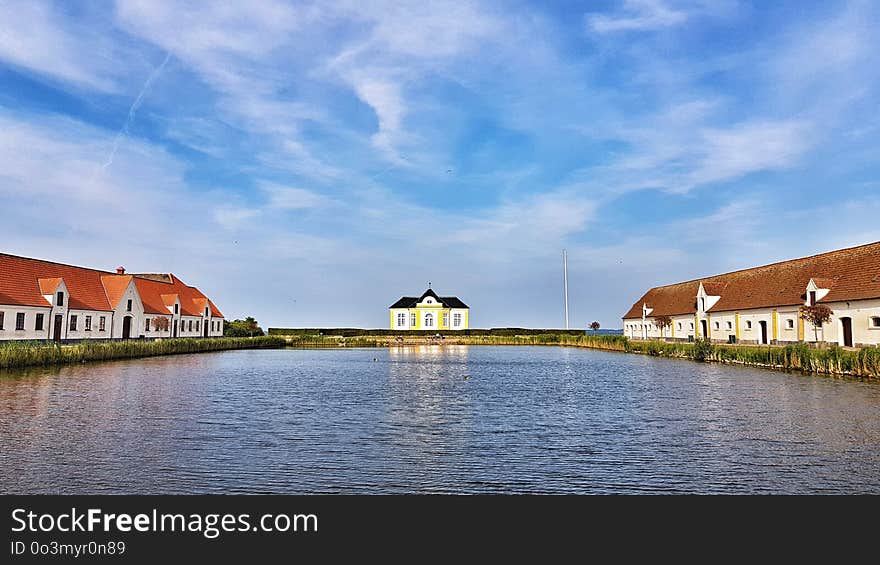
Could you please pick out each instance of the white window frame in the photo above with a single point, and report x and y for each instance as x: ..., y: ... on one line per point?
x: 429, y: 320
x: 456, y: 319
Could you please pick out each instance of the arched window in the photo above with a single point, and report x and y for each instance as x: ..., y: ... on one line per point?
x: 429, y: 320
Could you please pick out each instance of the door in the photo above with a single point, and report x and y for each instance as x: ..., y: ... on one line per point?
x: 126, y: 327
x: 56, y: 332
x: 175, y: 329
x: 846, y: 325
x: 704, y: 329
x: 206, y: 328
x: 764, y: 332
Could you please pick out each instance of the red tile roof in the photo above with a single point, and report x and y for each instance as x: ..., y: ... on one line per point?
x: 162, y: 295
x: 48, y: 286
x: 114, y: 286
x: 854, y: 274
x: 24, y: 281
x: 19, y: 283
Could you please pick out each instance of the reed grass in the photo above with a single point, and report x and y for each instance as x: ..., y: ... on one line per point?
x: 29, y: 353
x: 831, y: 360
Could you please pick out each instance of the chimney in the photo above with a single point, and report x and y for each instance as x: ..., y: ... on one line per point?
x: 120, y: 270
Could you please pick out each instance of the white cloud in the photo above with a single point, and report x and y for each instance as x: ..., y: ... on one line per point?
x: 292, y: 198
x: 34, y: 37
x: 638, y: 15
x: 751, y: 147
x: 385, y: 99
x: 232, y: 218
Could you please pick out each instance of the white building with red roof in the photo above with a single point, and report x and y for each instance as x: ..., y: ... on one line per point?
x: 44, y: 300
x: 762, y: 305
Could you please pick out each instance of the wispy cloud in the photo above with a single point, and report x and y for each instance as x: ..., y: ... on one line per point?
x: 292, y: 198
x: 638, y: 15
x: 36, y: 37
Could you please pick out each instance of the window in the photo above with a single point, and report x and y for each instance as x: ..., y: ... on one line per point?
x: 88, y: 327
x: 789, y: 324
x: 147, y: 325
x: 702, y: 304
x: 679, y: 325
x: 401, y: 319
x: 73, y: 323
x: 446, y: 320
x: 429, y: 320
x: 748, y: 324
x: 102, y: 323
x: 874, y: 322
x: 456, y: 319
x: 38, y: 323
x: 190, y: 326
x: 128, y: 306
x: 175, y: 308
x: 811, y: 299
x: 59, y: 299
x: 692, y: 325
x: 2, y: 315
x: 206, y: 310
x: 19, y: 321
x: 730, y: 325
x: 197, y: 325
x: 412, y: 320
x: 717, y: 325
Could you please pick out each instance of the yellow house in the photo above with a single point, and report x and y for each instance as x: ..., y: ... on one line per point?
x: 429, y: 312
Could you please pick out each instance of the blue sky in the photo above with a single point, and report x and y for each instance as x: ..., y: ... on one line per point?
x: 309, y: 163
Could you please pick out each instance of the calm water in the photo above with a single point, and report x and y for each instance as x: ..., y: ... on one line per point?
x: 526, y: 419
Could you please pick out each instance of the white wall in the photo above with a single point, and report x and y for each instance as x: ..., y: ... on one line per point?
x: 30, y: 315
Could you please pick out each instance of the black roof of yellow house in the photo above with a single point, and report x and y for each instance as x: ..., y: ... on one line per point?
x: 411, y: 301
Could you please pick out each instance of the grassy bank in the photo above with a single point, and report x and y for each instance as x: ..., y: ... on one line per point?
x: 832, y: 360
x: 27, y: 354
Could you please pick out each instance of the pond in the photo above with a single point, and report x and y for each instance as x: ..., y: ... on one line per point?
x: 433, y: 419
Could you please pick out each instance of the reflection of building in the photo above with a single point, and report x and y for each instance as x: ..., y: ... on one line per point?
x: 429, y: 312
x: 761, y: 305
x: 46, y: 300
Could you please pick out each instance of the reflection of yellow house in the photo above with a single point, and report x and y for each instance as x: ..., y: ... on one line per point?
x: 429, y: 312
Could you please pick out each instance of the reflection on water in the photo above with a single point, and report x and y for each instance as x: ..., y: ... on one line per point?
x: 433, y: 419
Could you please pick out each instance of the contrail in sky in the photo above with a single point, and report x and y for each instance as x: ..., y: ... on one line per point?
x: 133, y: 110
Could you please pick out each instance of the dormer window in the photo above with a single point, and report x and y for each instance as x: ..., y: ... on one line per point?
x: 206, y: 310
x: 175, y: 308
x: 59, y: 299
x: 812, y: 298
x: 702, y: 304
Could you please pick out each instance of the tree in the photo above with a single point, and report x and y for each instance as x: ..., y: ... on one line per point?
x: 160, y: 323
x: 595, y: 326
x: 662, y: 322
x: 817, y: 315
x: 248, y: 327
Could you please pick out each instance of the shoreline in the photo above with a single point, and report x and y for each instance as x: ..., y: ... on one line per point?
x: 15, y: 355
x: 799, y: 358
